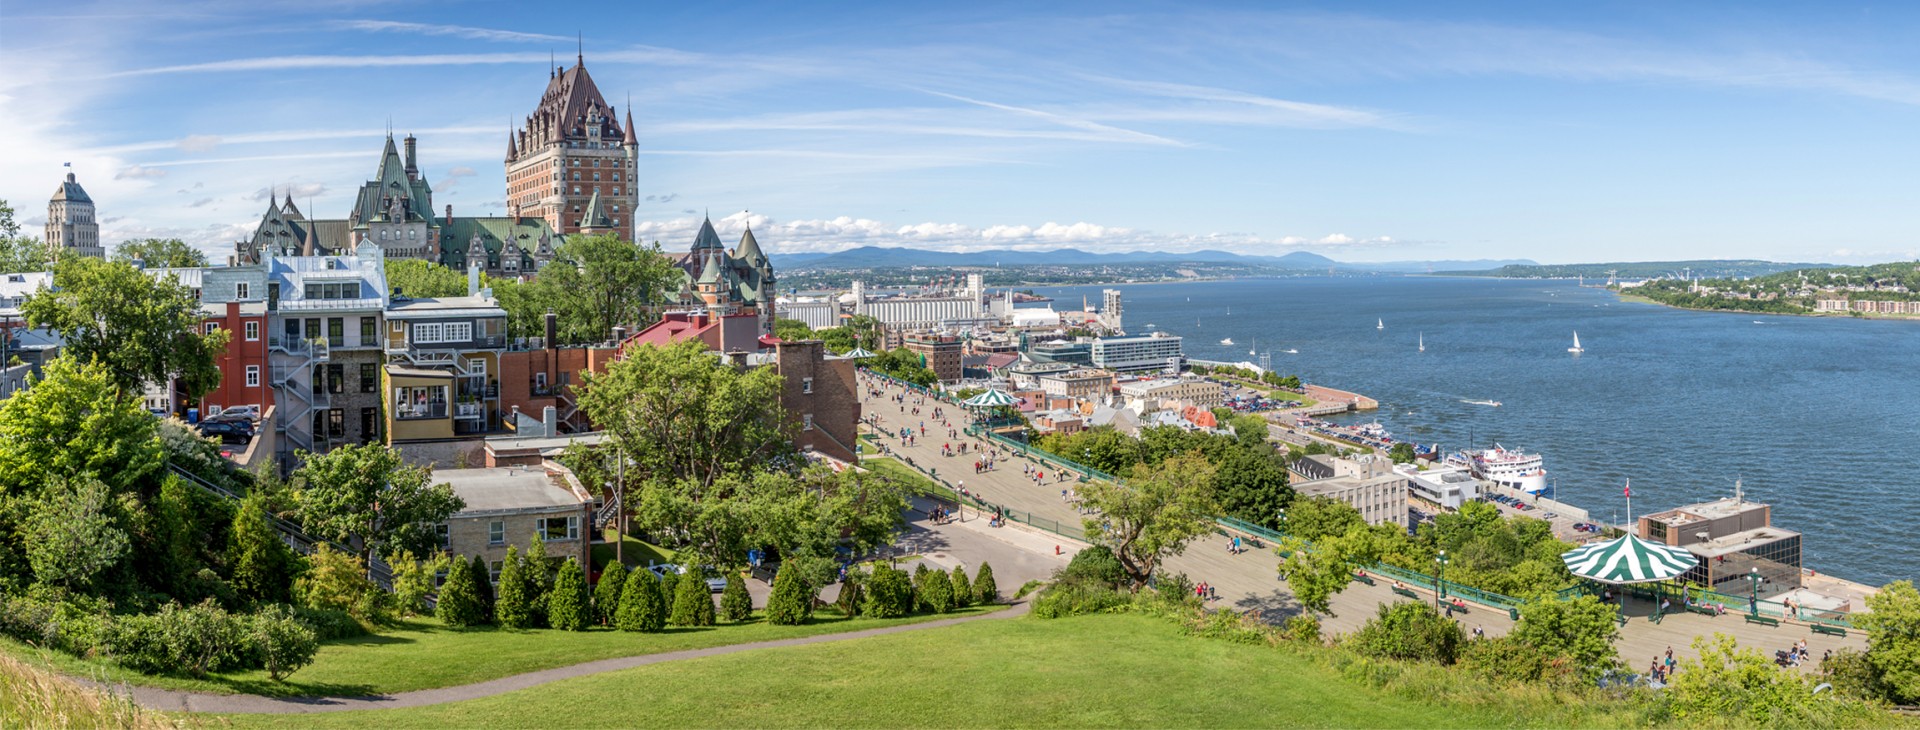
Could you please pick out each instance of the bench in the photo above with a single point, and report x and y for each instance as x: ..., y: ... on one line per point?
x: 1703, y: 610
x: 1364, y: 579
x: 1407, y: 593
x: 1830, y: 630
x: 1762, y: 620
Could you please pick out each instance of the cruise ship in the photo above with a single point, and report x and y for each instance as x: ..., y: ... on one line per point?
x: 1514, y: 469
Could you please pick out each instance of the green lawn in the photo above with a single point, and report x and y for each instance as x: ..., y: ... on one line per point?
x: 633, y: 553
x: 1091, y: 671
x: 424, y: 654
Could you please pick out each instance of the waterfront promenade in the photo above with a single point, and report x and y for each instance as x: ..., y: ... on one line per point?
x: 1250, y: 581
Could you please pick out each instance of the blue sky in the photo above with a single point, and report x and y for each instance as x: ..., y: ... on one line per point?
x: 1606, y: 131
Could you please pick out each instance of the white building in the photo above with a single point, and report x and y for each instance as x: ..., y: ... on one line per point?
x: 1157, y: 351
x: 817, y: 313
x: 923, y: 312
x: 71, y: 226
x: 1447, y: 486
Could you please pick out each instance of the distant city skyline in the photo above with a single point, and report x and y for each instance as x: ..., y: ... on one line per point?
x: 1389, y: 132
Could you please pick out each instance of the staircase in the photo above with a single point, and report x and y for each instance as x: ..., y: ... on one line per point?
x: 297, y: 391
x: 607, y: 512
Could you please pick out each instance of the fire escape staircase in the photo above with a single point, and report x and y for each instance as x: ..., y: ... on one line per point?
x: 297, y: 391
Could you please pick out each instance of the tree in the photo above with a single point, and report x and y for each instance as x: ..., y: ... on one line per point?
x: 792, y: 601
x: 144, y: 329
x: 1892, y: 622
x: 263, y: 567
x: 679, y: 413
x: 413, y: 580
x: 567, y: 606
x: 597, y: 282
x: 1153, y: 515
x: 72, y: 422
x: 282, y: 642
x: 1251, y: 483
x: 160, y: 253
x: 1581, y: 629
x: 960, y: 588
x: 693, y: 602
x: 1729, y: 681
x: 512, y: 607
x: 642, y: 607
x: 937, y: 592
x: 606, y: 594
x: 791, y: 329
x: 889, y: 594
x: 366, y: 491
x: 337, y: 581
x: 459, y: 605
x: 420, y: 278
x: 985, y: 591
x: 538, y: 571
x: 1409, y: 630
x: 483, y: 587
x: 736, y: 604
x: 71, y: 536
x: 1316, y: 518
x: 1401, y: 453
x: 1316, y: 575
x: 20, y: 253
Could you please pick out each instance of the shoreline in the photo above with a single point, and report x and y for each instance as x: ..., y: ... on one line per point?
x: 1637, y: 299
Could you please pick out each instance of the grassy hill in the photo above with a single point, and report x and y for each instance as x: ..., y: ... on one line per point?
x: 1091, y: 671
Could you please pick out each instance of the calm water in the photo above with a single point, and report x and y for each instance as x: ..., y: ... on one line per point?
x: 1819, y: 417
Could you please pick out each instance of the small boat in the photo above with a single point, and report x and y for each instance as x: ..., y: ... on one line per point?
x: 1576, y: 348
x: 1228, y: 342
x: 1493, y: 403
x: 1251, y: 349
x: 1423, y: 342
x: 1291, y: 351
x: 1379, y: 324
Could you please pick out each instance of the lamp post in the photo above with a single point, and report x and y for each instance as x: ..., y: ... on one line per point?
x: 1753, y: 601
x: 1439, y: 579
x: 1283, y: 520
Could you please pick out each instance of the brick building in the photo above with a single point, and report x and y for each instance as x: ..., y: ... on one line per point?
x: 572, y: 162
x: 942, y: 353
x: 243, y: 364
x: 821, y: 396
x: 508, y: 506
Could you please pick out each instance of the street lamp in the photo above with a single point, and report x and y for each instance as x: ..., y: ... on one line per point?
x: 1283, y: 520
x: 1440, y: 579
x: 1753, y: 602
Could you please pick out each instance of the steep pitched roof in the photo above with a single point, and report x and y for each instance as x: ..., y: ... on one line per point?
x: 596, y: 214
x: 749, y: 250
x: 71, y: 192
x: 710, y: 271
x: 525, y: 232
x: 706, y: 239
x: 572, y: 102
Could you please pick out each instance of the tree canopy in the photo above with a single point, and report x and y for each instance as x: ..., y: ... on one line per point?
x: 1154, y: 514
x: 593, y: 284
x: 678, y: 413
x: 144, y: 329
x: 791, y: 329
x: 366, y: 491
x: 159, y: 253
x: 420, y: 278
x: 19, y: 254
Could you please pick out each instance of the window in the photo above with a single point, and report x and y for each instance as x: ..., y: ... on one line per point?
x: 557, y: 528
x: 806, y: 422
x: 497, y: 532
x: 336, y: 423
x: 411, y: 402
x: 253, y: 376
x: 336, y: 331
x: 368, y: 330
x: 336, y: 378
x: 413, y: 233
x: 443, y: 332
x: 253, y: 331
x: 440, y: 534
x: 476, y: 366
x: 369, y: 377
x: 806, y: 385
x: 241, y: 291
x: 213, y: 327
x: 369, y: 425
x: 493, y: 572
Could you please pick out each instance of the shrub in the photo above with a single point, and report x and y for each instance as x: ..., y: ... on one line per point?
x: 1029, y: 587
x: 1095, y: 563
x: 960, y: 588
x: 282, y: 643
x: 459, y: 603
x: 853, y: 592
x: 736, y: 604
x: 606, y: 594
x: 936, y: 592
x: 263, y: 566
x: 1076, y: 598
x: 1730, y: 682
x: 328, y: 625
x: 1303, y: 629
x: 567, y: 607
x: 888, y: 594
x: 483, y: 587
x: 669, y: 581
x: 984, y: 589
x: 200, y: 639
x: 642, y: 607
x: 1409, y: 630
x: 413, y: 580
x: 693, y: 601
x: 512, y: 608
x: 538, y: 572
x: 791, y: 603
x: 337, y: 581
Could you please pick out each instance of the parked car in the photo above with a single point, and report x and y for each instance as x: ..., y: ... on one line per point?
x: 228, y: 431
x: 236, y: 413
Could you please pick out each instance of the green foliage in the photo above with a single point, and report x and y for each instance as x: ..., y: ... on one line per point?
x: 1581, y: 629
x: 368, y: 491
x: 196, y: 640
x: 459, y: 605
x: 736, y: 604
x: 1728, y: 681
x: 336, y: 581
x: 1154, y: 514
x: 1317, y: 518
x: 1250, y: 476
x: 606, y: 593
x: 1401, y: 453
x: 76, y: 421
x: 263, y: 567
x: 420, y: 278
x: 413, y: 580
x: 678, y: 413
x: 1094, y: 564
x: 960, y: 588
x: 72, y: 537
x: 1508, y: 660
x: 669, y: 584
x: 791, y: 329
x: 512, y: 606
x: 159, y: 253
x: 143, y: 329
x: 889, y: 593
x: 937, y: 592
x: 281, y: 641
x: 1892, y: 622
x: 1853, y: 675
x: 642, y: 606
x: 1074, y: 598
x: 1516, y: 556
x: 810, y: 514
x: 538, y: 571
x: 567, y: 606
x: 20, y: 253
x: 692, y: 601
x: 792, y: 601
x: 483, y: 587
x: 1411, y: 631
x: 985, y: 591
x: 903, y: 364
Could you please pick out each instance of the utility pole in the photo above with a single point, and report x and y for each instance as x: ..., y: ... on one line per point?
x: 620, y: 512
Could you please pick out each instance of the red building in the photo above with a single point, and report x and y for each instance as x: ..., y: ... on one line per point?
x: 244, y: 377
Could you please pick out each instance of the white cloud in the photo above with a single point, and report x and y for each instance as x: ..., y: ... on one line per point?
x: 297, y: 190
x: 845, y: 232
x: 136, y: 172
x: 198, y: 143
x: 457, y: 31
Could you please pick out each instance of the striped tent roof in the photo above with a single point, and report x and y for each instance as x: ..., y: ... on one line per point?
x: 857, y: 353
x: 990, y: 399
x: 1628, y: 560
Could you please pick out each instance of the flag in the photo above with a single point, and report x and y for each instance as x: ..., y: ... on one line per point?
x: 66, y: 164
x: 1629, y: 490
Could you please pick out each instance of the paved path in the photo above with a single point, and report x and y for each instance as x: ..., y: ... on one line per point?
x: 1250, y: 580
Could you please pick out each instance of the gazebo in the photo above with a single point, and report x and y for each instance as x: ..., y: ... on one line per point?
x: 1629, y: 559
x: 857, y: 353
x: 990, y: 399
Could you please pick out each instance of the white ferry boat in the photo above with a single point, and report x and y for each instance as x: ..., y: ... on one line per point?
x: 1515, y: 469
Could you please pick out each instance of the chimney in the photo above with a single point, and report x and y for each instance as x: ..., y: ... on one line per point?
x: 737, y: 358
x: 449, y: 218
x: 619, y: 335
x: 552, y: 328
x: 413, y: 172
x: 473, y: 279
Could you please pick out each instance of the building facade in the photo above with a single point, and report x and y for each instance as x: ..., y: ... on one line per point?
x: 571, y: 156
x: 72, y: 229
x: 442, y: 375
x: 821, y: 394
x: 1736, y: 542
x: 510, y: 506
x: 942, y: 353
x: 325, y: 315
x: 1155, y: 352
x: 1077, y: 384
x: 1381, y: 499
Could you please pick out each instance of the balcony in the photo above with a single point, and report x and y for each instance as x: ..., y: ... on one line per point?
x: 468, y: 411
x: 420, y: 411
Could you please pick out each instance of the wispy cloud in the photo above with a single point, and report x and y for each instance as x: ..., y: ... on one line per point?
x: 826, y: 235
x: 1101, y: 131
x: 1281, y: 112
x: 136, y: 172
x: 456, y: 31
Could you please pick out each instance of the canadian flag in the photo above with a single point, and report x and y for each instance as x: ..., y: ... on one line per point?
x: 1629, y: 490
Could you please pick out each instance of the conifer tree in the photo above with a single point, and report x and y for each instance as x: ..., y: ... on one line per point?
x: 567, y: 606
x: 606, y: 594
x: 889, y: 595
x: 669, y: 582
x: 960, y: 588
x: 263, y: 565
x: 736, y: 604
x: 459, y: 603
x: 984, y: 589
x: 483, y: 586
x: 919, y: 581
x: 789, y: 605
x: 537, y: 571
x: 853, y: 592
x: 642, y: 607
x: 937, y: 592
x: 692, y: 601
x: 511, y: 607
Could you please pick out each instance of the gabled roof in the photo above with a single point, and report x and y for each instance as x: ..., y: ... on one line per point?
x: 526, y: 233
x: 749, y: 250
x: 710, y: 270
x: 571, y: 99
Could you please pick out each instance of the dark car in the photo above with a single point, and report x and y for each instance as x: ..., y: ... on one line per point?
x: 227, y: 430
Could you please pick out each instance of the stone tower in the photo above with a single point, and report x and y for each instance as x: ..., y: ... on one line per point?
x: 72, y: 229
x: 572, y: 148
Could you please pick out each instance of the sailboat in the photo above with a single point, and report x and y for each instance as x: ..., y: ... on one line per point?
x: 1251, y: 348
x: 1423, y: 342
x: 1576, y: 348
x: 1228, y: 342
x: 1379, y: 324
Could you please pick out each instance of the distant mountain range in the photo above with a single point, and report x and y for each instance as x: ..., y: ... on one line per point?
x: 1697, y: 269
x: 877, y: 257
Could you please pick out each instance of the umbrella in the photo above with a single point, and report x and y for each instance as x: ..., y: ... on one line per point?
x: 1629, y: 559
x: 857, y: 353
x: 991, y: 399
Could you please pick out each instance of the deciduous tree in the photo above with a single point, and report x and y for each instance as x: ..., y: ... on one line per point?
x: 160, y: 253
x: 72, y: 535
x: 144, y: 329
x: 1412, y: 631
x: 74, y: 422
x: 678, y: 413
x: 419, y: 278
x: 1581, y: 629
x: 1892, y: 622
x: 1154, y: 514
x: 20, y: 253
x: 367, y: 492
